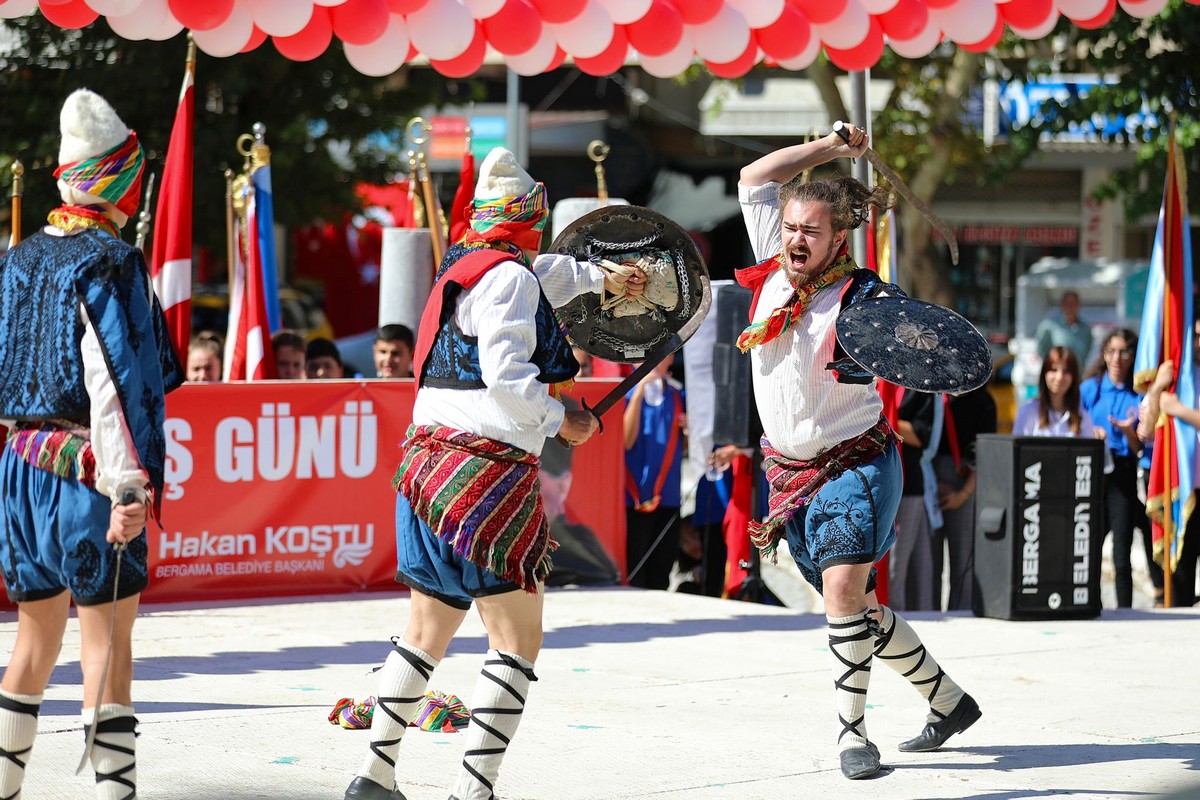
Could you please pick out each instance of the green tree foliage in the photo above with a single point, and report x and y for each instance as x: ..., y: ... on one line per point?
x: 327, y: 125
x: 1152, y: 67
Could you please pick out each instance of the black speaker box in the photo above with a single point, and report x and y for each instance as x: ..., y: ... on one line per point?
x: 735, y: 416
x: 1038, y: 527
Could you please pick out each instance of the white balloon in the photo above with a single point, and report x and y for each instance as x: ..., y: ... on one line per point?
x: 758, y: 13
x: 723, y: 38
x: 967, y: 21
x: 624, y: 12
x: 169, y: 27
x: 884, y: 6
x: 1036, y: 32
x: 442, y: 29
x: 17, y: 8
x: 535, y: 60
x: 482, y: 9
x: 384, y: 55
x: 846, y: 31
x: 143, y: 22
x: 920, y: 45
x: 806, y: 57
x: 112, y: 8
x: 1142, y: 10
x: 588, y: 34
x: 672, y: 63
x: 280, y: 17
x: 1081, y: 9
x: 230, y: 36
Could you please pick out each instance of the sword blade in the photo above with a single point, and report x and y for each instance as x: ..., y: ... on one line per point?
x: 920, y: 205
x: 908, y: 194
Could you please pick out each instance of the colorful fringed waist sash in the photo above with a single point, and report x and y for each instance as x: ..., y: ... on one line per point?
x: 480, y: 496
x: 61, y: 448
x: 793, y: 483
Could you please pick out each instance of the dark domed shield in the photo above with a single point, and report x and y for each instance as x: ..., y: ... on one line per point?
x: 677, y: 295
x: 915, y: 344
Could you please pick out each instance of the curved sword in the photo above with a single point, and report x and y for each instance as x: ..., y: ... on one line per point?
x: 900, y: 186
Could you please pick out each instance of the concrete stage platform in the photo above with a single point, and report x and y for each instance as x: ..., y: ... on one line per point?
x: 645, y: 695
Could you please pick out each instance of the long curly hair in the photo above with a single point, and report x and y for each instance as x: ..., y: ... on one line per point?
x: 849, y: 200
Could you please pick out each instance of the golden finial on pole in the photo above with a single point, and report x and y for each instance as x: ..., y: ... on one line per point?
x: 18, y: 186
x: 597, y: 151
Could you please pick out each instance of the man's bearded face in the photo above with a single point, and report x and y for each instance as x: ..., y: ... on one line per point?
x: 810, y: 245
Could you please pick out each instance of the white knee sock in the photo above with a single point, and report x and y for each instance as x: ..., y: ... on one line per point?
x: 901, y: 649
x: 496, y: 707
x: 18, y: 729
x: 113, y: 751
x: 850, y: 644
x: 402, y: 683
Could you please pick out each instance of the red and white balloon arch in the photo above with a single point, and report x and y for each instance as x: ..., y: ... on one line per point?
x: 535, y: 36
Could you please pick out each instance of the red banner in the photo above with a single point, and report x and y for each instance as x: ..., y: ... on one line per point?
x: 284, y: 488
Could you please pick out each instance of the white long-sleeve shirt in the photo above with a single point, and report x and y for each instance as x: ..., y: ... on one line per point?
x: 515, y: 407
x: 803, y: 408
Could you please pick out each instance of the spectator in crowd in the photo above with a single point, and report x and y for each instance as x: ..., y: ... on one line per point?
x: 1109, y: 399
x: 1065, y: 329
x: 967, y: 415
x: 1183, y: 575
x: 910, y: 565
x: 204, y: 358
x: 655, y: 425
x: 288, y: 347
x: 322, y: 361
x: 393, y: 352
x: 1056, y: 411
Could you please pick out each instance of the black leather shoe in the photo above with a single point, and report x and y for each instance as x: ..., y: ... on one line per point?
x: 935, y: 734
x: 860, y: 762
x: 366, y: 789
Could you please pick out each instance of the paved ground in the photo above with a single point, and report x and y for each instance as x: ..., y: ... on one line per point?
x: 647, y: 695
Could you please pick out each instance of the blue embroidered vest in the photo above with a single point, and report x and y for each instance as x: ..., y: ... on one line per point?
x: 453, y: 361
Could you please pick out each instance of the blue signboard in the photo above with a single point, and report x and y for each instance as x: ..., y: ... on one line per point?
x: 1022, y: 103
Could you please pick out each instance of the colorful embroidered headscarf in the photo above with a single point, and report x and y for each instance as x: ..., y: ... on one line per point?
x: 519, y: 220
x: 115, y: 175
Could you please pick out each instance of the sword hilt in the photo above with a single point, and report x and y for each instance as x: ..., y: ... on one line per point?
x: 599, y: 424
x: 841, y: 130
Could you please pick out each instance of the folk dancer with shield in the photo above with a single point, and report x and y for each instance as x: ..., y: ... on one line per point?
x: 830, y: 456
x: 84, y: 368
x: 470, y: 525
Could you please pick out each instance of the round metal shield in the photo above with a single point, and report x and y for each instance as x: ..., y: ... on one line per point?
x: 677, y: 295
x: 915, y: 344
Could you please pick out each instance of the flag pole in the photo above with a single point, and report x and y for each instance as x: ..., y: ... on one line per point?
x: 231, y: 243
x: 18, y: 186
x: 143, y: 223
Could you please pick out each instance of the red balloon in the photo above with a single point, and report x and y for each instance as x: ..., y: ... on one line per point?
x: 1101, y: 19
x: 48, y: 2
x: 468, y: 61
x: 200, y: 15
x: 406, y: 6
x: 360, y: 21
x: 940, y: 3
x: 786, y: 37
x: 558, y: 11
x: 738, y: 67
x: 1026, y: 13
x: 560, y: 56
x: 991, y: 40
x: 863, y: 55
x: 515, y: 28
x: 71, y: 14
x: 659, y: 31
x: 907, y: 19
x: 697, y: 12
x: 610, y: 59
x: 821, y: 12
x: 257, y: 37
x: 310, y: 42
